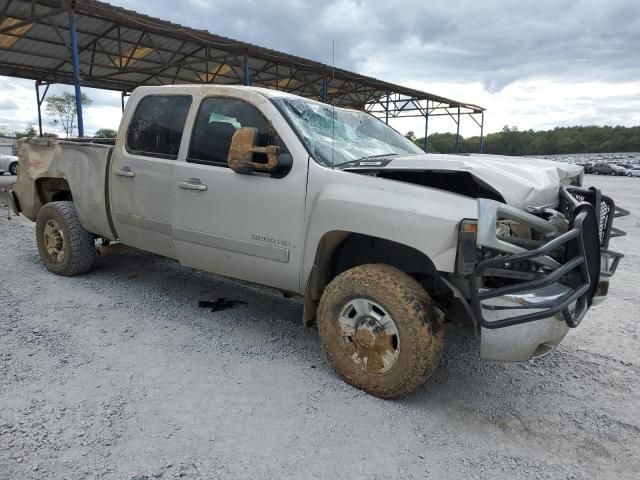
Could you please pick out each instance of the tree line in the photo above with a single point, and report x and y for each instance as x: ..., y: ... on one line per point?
x: 560, y: 140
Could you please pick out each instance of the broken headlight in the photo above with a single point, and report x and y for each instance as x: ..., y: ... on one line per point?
x: 466, y: 258
x: 470, y: 254
x: 512, y: 229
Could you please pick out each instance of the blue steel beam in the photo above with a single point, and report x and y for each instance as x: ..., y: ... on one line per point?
x: 386, y: 110
x: 247, y: 78
x: 426, y: 126
x: 482, y: 134
x: 76, y: 72
x: 458, y: 132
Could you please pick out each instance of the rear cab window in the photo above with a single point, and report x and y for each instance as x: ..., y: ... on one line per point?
x: 157, y: 124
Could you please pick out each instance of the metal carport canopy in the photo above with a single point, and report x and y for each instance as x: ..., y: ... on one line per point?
x: 119, y: 49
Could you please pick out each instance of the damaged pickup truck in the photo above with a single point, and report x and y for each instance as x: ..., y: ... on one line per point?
x: 385, y: 243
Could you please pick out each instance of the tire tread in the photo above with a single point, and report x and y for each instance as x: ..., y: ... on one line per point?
x: 419, y: 319
x: 82, y: 249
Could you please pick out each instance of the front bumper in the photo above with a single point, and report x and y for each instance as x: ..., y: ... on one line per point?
x: 529, y: 316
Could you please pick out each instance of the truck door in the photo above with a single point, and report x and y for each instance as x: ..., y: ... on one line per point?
x: 246, y: 226
x: 142, y: 172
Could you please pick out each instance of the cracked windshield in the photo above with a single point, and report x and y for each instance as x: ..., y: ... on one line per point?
x: 336, y: 136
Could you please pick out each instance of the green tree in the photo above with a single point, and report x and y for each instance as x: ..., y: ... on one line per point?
x: 28, y: 132
x: 411, y: 135
x: 560, y: 140
x: 63, y: 108
x: 105, y: 133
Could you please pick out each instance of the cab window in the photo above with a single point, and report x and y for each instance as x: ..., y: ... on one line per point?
x: 217, y: 120
x: 157, y: 125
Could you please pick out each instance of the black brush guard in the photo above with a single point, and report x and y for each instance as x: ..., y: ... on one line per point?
x: 591, y: 217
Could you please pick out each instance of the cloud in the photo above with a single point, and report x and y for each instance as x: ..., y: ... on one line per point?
x: 8, y: 104
x: 532, y: 64
x: 492, y: 42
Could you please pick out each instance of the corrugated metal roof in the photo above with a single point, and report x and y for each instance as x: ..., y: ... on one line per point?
x: 120, y: 49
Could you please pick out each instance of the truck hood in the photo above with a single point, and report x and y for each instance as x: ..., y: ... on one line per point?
x: 520, y: 181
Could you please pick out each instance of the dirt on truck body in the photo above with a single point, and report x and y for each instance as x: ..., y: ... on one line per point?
x: 385, y: 243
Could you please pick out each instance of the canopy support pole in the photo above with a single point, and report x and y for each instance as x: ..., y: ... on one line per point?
x: 386, y: 120
x: 426, y: 126
x: 40, y: 102
x: 458, y: 132
x: 247, y: 79
x: 76, y: 72
x: 482, y: 133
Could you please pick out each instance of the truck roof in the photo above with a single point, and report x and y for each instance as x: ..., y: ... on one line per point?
x: 215, y: 88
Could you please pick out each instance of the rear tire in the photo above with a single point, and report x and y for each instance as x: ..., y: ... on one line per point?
x: 380, y: 330
x: 13, y: 168
x: 596, y: 172
x: 65, y: 247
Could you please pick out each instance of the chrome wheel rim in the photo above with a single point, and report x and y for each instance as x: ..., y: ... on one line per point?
x: 369, y: 336
x: 54, y: 241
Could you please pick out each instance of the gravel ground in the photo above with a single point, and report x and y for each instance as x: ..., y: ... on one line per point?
x: 118, y: 374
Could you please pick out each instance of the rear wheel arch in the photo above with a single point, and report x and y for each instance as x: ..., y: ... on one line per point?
x: 51, y: 189
x: 339, y: 251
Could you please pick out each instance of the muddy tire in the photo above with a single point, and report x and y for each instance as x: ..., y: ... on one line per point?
x: 13, y: 168
x: 380, y: 330
x: 65, y: 247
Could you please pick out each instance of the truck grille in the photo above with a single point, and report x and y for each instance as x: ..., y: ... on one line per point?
x: 604, y: 211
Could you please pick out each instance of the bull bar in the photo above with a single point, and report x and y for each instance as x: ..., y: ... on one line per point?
x: 586, y: 261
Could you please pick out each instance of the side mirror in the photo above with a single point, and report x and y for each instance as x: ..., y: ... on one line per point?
x: 242, y: 151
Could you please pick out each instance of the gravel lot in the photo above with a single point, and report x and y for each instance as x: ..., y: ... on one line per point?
x: 119, y: 375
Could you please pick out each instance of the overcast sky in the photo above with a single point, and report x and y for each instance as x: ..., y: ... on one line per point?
x: 533, y: 64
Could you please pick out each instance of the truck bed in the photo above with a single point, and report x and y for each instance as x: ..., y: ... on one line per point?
x: 84, y: 167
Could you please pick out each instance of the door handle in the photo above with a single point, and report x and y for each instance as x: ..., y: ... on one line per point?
x: 125, y: 172
x: 192, y: 184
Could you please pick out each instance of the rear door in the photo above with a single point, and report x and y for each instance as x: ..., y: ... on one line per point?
x: 142, y: 172
x: 243, y: 226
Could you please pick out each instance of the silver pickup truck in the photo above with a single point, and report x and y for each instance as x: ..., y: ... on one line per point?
x: 385, y: 243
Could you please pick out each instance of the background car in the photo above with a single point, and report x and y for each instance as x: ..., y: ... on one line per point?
x: 588, y: 167
x: 618, y: 170
x: 603, y: 169
x: 634, y: 171
x: 8, y: 163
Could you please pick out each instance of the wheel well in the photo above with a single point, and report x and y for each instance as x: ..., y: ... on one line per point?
x: 340, y: 251
x: 53, y: 190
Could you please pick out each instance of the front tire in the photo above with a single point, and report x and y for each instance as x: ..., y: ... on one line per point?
x: 596, y: 172
x: 380, y: 330
x: 13, y: 168
x: 65, y: 247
